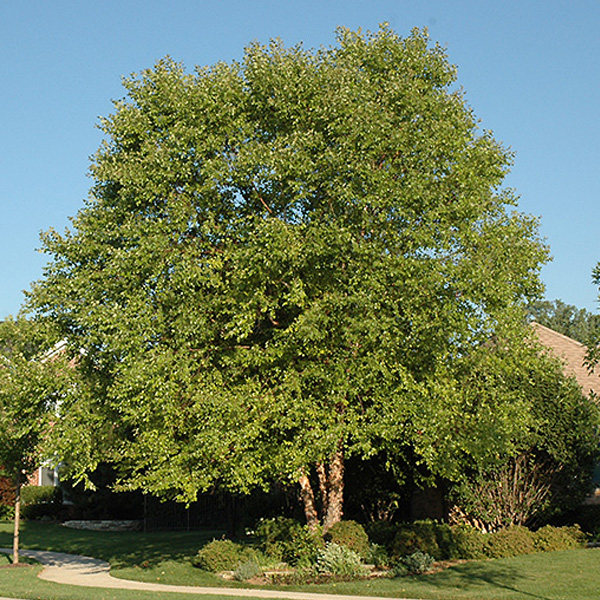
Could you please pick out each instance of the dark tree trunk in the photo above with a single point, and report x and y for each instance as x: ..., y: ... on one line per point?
x: 308, y: 501
x: 331, y: 488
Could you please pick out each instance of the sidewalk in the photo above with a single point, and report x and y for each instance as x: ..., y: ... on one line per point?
x: 71, y: 569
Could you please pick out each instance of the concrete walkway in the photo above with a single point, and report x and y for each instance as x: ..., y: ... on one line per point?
x: 71, y: 569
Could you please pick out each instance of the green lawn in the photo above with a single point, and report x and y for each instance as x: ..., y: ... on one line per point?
x: 163, y: 557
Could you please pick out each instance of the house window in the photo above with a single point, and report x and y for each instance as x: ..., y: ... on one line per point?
x: 48, y: 476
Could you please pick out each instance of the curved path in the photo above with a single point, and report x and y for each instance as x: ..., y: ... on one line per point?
x: 71, y: 569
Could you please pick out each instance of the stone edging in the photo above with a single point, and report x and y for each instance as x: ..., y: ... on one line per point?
x: 104, y: 525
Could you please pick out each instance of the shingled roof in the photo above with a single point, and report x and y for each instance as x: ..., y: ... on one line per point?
x: 572, y: 353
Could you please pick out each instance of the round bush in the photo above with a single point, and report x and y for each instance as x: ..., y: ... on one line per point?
x: 414, y: 537
x: 512, y: 541
x: 548, y: 538
x: 349, y: 534
x: 219, y: 555
x: 468, y: 543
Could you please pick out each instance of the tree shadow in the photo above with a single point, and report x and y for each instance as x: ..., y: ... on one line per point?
x: 120, y: 549
x: 471, y: 575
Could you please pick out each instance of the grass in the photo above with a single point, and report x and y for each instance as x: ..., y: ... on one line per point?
x: 164, y: 558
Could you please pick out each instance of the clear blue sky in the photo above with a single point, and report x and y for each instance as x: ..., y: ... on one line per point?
x: 530, y: 70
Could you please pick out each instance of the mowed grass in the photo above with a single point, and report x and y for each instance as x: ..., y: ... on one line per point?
x: 23, y: 583
x: 164, y: 558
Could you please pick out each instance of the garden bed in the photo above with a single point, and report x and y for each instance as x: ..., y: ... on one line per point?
x: 105, y: 525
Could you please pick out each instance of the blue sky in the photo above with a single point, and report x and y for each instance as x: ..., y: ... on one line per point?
x: 529, y: 68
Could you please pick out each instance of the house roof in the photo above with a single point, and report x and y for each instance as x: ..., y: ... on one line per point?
x: 573, y: 354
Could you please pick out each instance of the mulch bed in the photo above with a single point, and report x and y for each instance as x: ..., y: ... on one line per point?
x: 11, y: 566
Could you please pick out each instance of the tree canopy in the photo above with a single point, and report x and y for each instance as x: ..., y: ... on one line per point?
x: 576, y: 323
x: 32, y: 385
x: 549, y: 467
x: 277, y: 259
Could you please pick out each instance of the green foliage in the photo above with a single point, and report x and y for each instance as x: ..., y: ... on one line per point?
x: 246, y: 570
x: 339, y: 560
x: 283, y: 258
x: 414, y: 564
x: 349, y: 534
x: 444, y: 542
x: 512, y: 541
x: 32, y: 384
x: 41, y: 501
x: 550, y: 538
x: 41, y: 494
x: 378, y: 556
x: 288, y: 540
x: 547, y: 464
x: 412, y: 539
x: 382, y: 532
x: 305, y: 575
x: 426, y: 536
x: 468, y: 543
x: 220, y: 555
x: 576, y: 323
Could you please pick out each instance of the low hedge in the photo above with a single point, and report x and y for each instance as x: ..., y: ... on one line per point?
x: 445, y: 542
x: 41, y: 501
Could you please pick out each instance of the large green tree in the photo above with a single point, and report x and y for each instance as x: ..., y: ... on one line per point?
x: 33, y: 382
x: 276, y: 259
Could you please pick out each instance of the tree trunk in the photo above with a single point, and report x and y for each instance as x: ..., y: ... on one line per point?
x: 335, y: 490
x: 323, y: 486
x: 17, y: 518
x: 308, y: 500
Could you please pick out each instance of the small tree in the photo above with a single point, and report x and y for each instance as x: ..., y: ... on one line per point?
x: 547, y: 464
x: 31, y: 386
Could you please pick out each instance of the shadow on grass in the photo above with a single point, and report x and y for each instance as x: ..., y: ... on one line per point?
x: 470, y: 576
x: 121, y: 549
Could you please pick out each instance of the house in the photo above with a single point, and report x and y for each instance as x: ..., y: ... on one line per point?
x: 573, y: 355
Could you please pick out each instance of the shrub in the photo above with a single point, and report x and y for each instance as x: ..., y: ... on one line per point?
x: 40, y: 494
x: 349, y: 534
x: 378, y: 556
x: 468, y: 543
x: 41, y: 501
x: 382, y: 533
x: 246, y: 570
x: 425, y: 536
x: 512, y: 541
x: 550, y: 538
x: 288, y: 540
x: 339, y: 560
x: 300, y: 576
x: 220, y: 555
x: 414, y: 564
